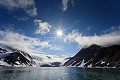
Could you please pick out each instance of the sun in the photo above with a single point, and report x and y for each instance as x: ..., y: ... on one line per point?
x: 59, y: 32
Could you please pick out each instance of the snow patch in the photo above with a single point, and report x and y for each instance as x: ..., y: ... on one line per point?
x: 102, y: 62
x: 82, y: 64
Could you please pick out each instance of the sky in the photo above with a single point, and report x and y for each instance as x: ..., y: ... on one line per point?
x: 59, y: 27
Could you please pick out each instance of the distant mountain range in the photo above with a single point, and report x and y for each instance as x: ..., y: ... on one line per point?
x: 16, y: 58
x: 96, y: 56
x: 92, y: 56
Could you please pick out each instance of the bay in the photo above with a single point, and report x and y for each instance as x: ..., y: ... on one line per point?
x: 59, y: 73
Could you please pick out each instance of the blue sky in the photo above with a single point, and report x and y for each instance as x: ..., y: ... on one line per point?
x: 83, y: 22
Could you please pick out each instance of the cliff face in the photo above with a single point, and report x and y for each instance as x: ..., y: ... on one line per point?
x: 96, y: 56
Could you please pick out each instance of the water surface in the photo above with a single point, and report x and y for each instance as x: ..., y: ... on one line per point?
x: 59, y: 73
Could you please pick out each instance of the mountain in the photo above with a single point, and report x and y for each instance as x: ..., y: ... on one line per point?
x: 13, y: 57
x: 46, y: 61
x: 96, y: 56
x: 10, y: 56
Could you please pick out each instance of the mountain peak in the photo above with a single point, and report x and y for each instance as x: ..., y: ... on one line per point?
x: 96, y: 56
x: 13, y: 57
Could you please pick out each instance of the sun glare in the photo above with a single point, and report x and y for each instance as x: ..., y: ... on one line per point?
x: 59, y: 32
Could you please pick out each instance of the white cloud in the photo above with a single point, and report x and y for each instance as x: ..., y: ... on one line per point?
x: 33, y: 46
x: 113, y: 29
x: 56, y: 47
x: 18, y: 41
x: 44, y: 44
x: 42, y: 59
x: 51, y: 46
x: 43, y: 27
x: 24, y: 43
x: 65, y: 4
x: 27, y: 5
x: 112, y: 38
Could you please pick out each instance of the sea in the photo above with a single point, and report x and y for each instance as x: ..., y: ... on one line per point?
x: 58, y: 73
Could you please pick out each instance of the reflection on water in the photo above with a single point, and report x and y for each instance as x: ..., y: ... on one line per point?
x: 59, y: 74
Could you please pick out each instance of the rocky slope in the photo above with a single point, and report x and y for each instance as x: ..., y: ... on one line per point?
x: 96, y: 56
x: 13, y: 57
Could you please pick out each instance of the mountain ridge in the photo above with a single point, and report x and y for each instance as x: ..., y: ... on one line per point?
x: 96, y: 56
x: 13, y: 57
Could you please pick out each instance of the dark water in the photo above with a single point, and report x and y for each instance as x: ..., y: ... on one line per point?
x: 59, y: 74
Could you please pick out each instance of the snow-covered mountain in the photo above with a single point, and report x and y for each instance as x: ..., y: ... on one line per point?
x: 13, y: 57
x: 96, y: 56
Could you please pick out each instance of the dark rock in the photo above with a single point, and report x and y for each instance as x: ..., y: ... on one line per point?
x: 96, y: 56
x: 16, y: 57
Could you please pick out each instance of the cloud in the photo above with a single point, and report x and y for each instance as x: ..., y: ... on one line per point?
x: 42, y: 59
x: 73, y: 3
x: 88, y: 28
x: 65, y: 4
x: 56, y: 47
x: 27, y: 5
x: 21, y: 18
x: 33, y: 46
x: 113, y: 29
x: 18, y: 41
x: 43, y: 27
x: 23, y: 42
x: 112, y: 38
x: 51, y: 46
x: 76, y: 21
